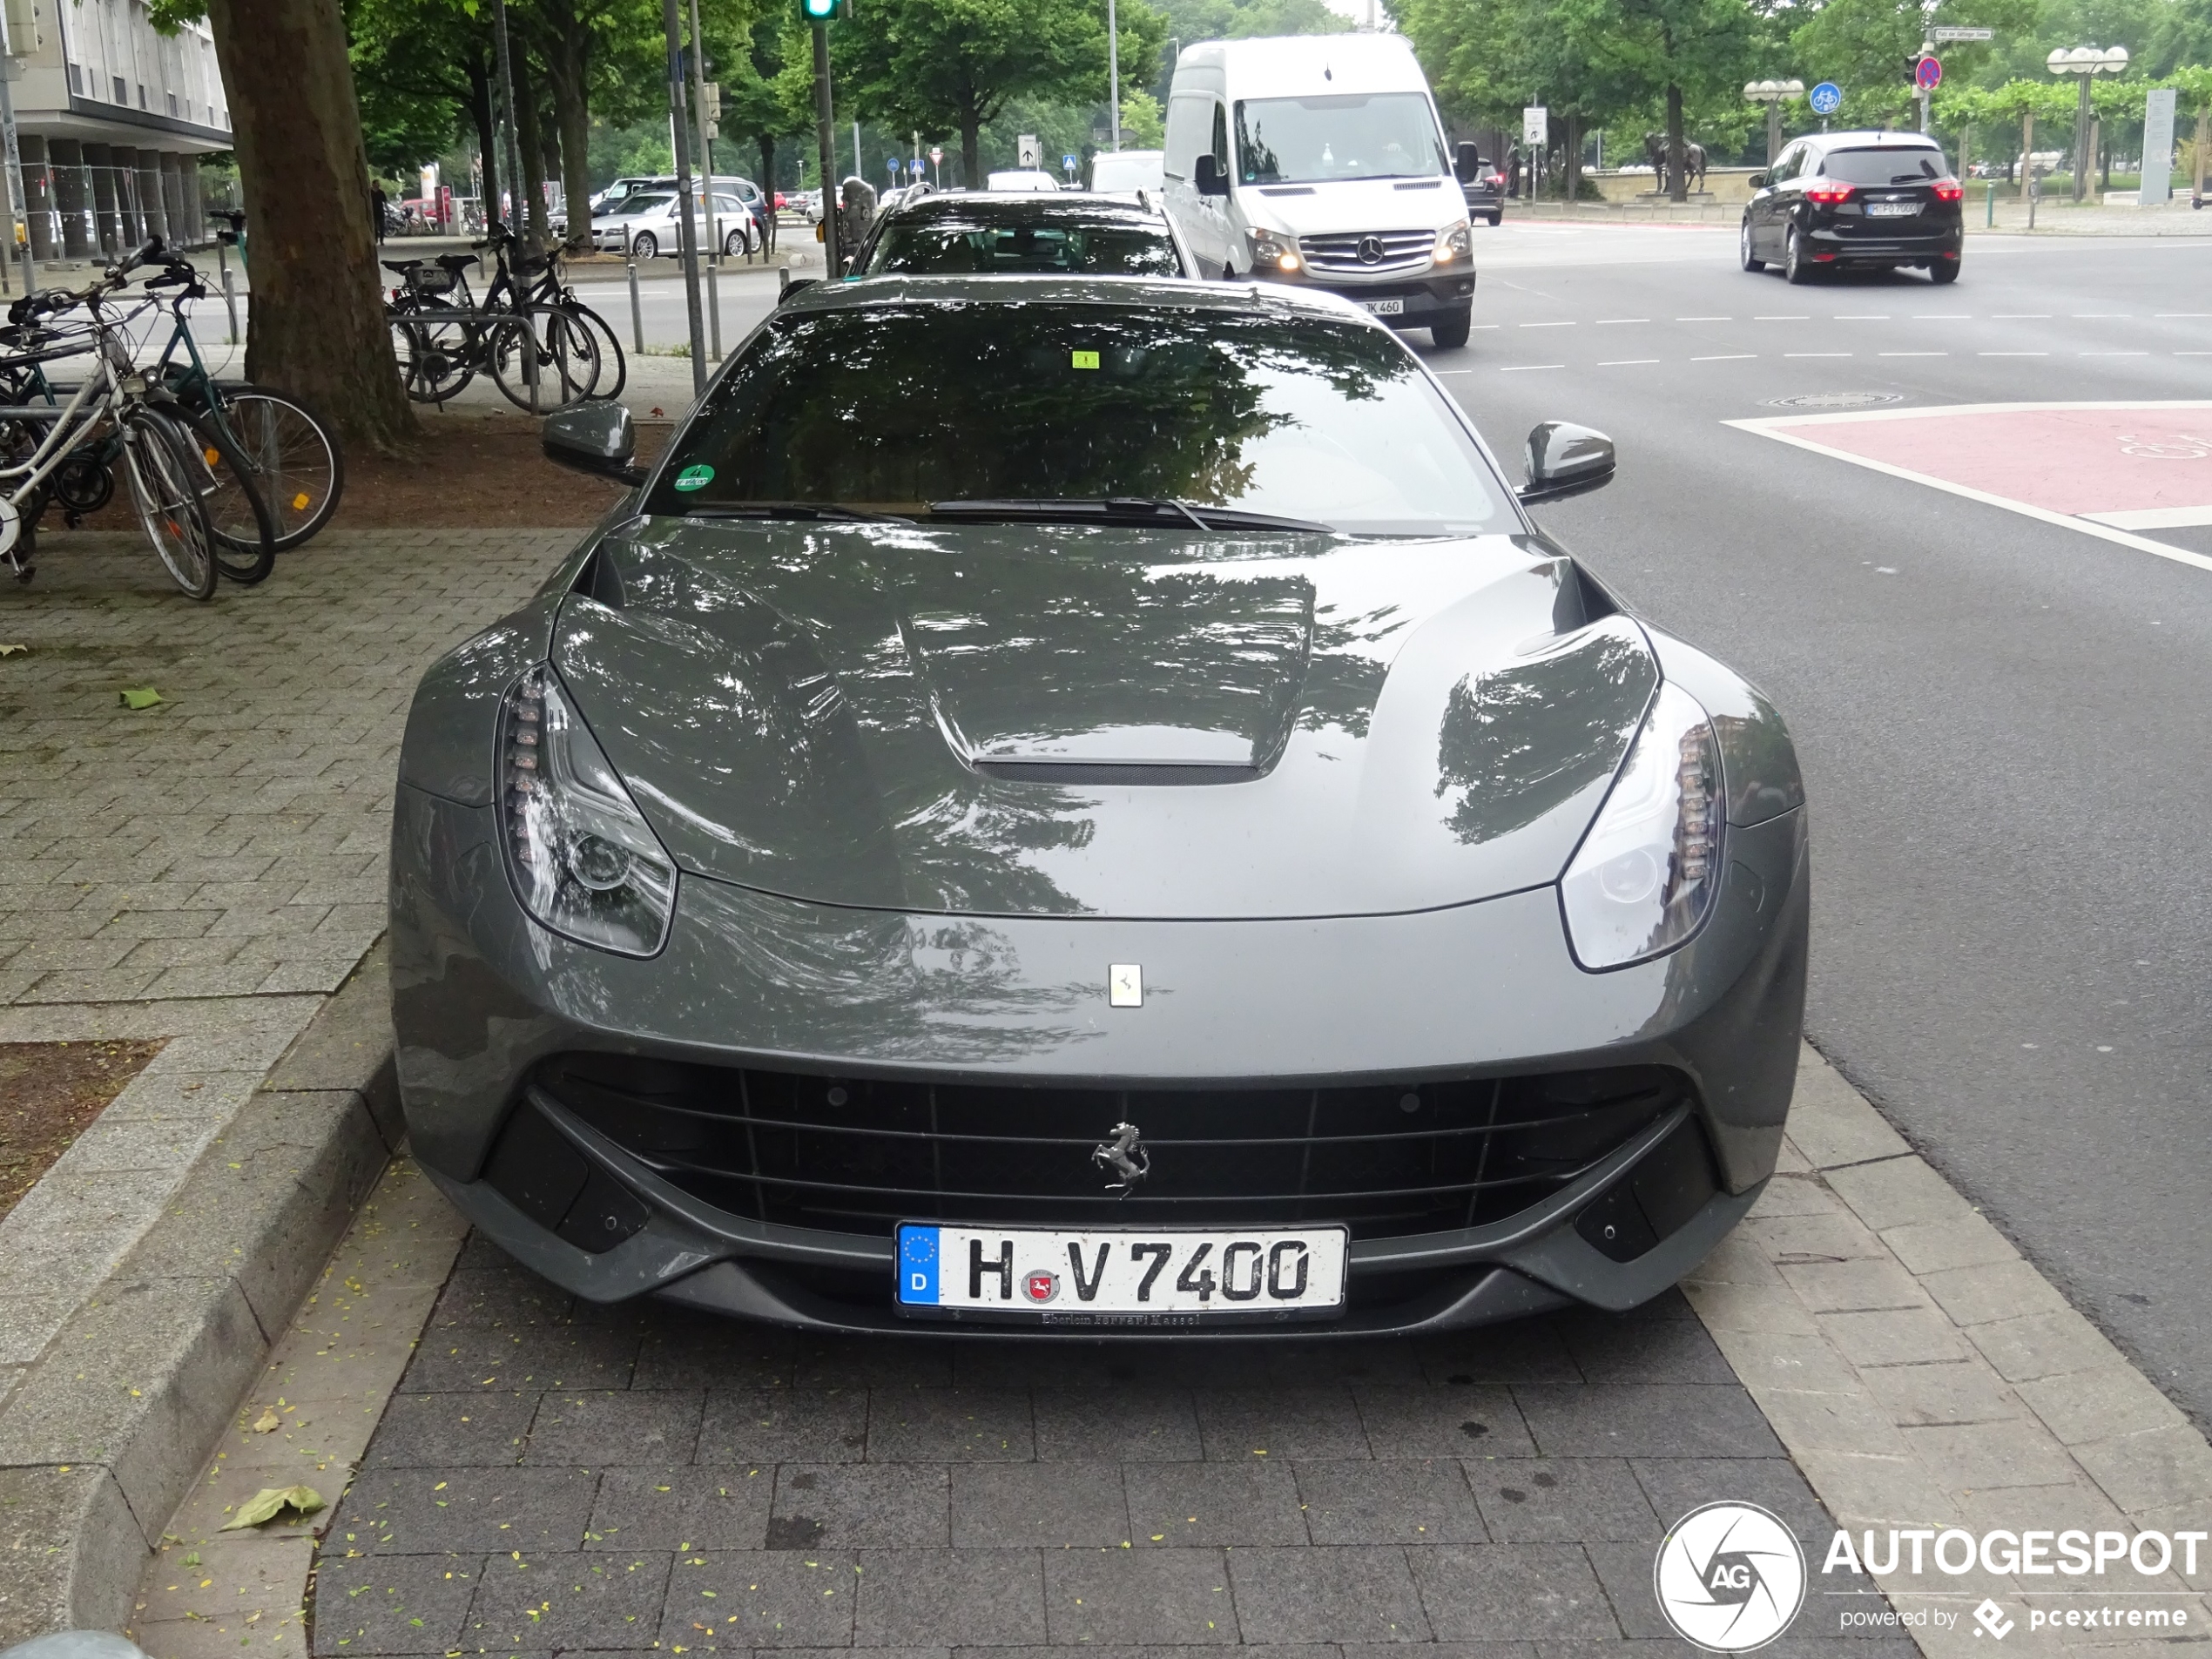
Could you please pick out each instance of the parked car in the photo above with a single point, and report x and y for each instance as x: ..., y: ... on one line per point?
x: 1128, y: 172
x: 1483, y: 190
x: 753, y: 199
x: 646, y: 225
x: 1021, y: 179
x: 979, y: 235
x: 1320, y: 160
x: 1088, y: 804
x: 1837, y: 200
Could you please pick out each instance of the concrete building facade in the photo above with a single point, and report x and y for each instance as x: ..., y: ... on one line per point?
x: 113, y: 118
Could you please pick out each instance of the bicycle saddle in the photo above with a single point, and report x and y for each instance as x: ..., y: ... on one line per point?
x: 401, y: 266
x: 457, y: 262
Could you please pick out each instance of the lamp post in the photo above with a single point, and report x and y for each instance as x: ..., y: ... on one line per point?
x: 1774, y: 95
x: 2087, y: 62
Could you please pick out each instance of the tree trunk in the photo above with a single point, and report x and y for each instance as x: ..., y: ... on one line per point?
x: 487, y: 139
x: 1572, y: 172
x: 529, y: 197
x: 568, y: 66
x: 1678, y: 150
x: 316, y: 326
x: 971, y: 149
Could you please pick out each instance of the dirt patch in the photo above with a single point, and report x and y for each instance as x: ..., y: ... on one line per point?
x: 49, y: 1093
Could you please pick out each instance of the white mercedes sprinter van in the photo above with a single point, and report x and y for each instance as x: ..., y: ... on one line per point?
x: 1319, y: 159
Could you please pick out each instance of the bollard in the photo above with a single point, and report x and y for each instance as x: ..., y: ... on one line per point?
x: 636, y: 311
x: 229, y: 303
x: 714, y: 305
x: 1989, y: 206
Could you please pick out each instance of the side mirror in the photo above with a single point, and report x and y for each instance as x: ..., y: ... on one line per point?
x: 599, y: 438
x: 1757, y: 181
x: 1468, y: 164
x: 845, y: 265
x: 1206, y: 178
x: 792, y: 285
x: 1564, y: 460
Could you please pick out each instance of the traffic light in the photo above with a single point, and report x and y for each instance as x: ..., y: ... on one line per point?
x: 820, y: 10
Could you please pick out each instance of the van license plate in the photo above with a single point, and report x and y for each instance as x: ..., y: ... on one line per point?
x: 1121, y: 1276
x: 1384, y: 308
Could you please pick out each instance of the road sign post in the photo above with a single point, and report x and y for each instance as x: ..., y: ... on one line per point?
x: 1536, y: 132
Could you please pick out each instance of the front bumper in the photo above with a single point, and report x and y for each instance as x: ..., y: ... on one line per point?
x: 1425, y: 298
x: 481, y: 995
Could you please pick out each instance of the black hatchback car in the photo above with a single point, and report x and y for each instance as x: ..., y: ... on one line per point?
x: 1832, y: 200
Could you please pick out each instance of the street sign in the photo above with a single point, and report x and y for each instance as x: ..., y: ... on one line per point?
x: 1954, y: 32
x: 1028, y: 152
x: 1827, y: 98
x: 1927, y: 74
x: 891, y: 165
x: 2158, y: 149
x: 1069, y: 162
x: 1535, y: 124
x: 936, y: 154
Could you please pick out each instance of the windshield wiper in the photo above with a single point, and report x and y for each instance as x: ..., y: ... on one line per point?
x: 1123, y: 509
x: 790, y: 509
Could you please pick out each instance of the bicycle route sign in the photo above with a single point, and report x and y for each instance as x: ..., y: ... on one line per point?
x: 1827, y: 98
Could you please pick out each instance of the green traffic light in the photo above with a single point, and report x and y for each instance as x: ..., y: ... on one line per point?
x: 820, y: 11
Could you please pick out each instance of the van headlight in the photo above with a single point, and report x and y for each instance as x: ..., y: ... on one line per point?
x: 1452, y: 243
x: 1645, y: 875
x: 1271, y: 251
x: 584, y: 861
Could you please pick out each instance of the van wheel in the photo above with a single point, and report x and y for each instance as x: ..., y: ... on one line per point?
x: 1451, y: 332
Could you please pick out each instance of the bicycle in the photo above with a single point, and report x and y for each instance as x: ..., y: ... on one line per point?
x: 541, y: 356
x: 116, y: 414
x: 550, y: 290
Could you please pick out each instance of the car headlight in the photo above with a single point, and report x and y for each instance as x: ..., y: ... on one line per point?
x: 1273, y: 251
x: 1646, y: 873
x: 584, y: 861
x: 1452, y: 243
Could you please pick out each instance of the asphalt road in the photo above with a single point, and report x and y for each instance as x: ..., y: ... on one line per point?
x: 2002, y: 721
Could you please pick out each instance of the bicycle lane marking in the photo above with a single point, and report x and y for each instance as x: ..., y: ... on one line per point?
x: 2105, y: 468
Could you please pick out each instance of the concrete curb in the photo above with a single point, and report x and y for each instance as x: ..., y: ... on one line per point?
x: 100, y: 1441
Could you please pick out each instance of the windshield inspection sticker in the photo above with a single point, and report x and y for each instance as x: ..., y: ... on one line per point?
x: 1083, y: 359
x: 695, y: 478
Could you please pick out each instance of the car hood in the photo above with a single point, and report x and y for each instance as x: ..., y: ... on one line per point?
x: 1347, y: 204
x: 1070, y: 720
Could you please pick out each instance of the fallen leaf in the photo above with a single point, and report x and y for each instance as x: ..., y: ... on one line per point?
x: 10, y: 651
x: 144, y: 697
x: 269, y: 1502
x: 267, y: 1422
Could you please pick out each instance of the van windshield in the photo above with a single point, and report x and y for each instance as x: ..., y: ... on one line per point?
x: 1310, y: 140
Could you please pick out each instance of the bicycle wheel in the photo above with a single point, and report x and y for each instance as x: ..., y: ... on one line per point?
x: 613, y: 365
x: 434, y: 357
x: 238, y: 513
x: 295, y: 461
x: 158, y: 457
x: 545, y: 360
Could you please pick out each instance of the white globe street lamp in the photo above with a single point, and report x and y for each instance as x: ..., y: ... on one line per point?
x: 2087, y: 62
x: 1774, y: 95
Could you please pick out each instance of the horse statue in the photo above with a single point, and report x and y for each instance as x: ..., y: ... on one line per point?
x: 1655, y: 152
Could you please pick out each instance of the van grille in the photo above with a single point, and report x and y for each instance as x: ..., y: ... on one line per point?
x: 1401, y: 251
x: 860, y: 1154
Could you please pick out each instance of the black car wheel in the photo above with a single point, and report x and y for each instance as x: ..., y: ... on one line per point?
x: 1796, y: 264
x: 1743, y: 249
x: 1497, y: 219
x: 1943, y: 271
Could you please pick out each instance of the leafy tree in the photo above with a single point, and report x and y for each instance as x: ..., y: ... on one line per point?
x: 1143, y: 128
x: 940, y: 66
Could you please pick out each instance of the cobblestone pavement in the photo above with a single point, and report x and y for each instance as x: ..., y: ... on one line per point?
x: 557, y: 1478
x: 232, y: 840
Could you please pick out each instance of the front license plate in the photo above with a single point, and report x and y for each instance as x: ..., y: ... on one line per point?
x: 1384, y: 308
x: 1891, y: 210
x: 1120, y: 1277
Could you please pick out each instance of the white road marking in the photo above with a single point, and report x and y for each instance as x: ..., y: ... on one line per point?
x: 2100, y: 316
x: 1522, y: 369
x: 1601, y: 321
x: 1913, y: 353
x: 1732, y: 357
x: 1441, y: 373
x: 1782, y: 320
x: 2185, y: 313
x: 1704, y: 320
x: 2022, y: 316
x: 1546, y: 325
x: 2154, y: 518
x: 1943, y: 316
x: 1816, y: 354
x: 1867, y: 316
x: 1489, y: 324
x: 2112, y: 354
x: 1628, y: 362
x: 2012, y: 353
x: 2193, y: 354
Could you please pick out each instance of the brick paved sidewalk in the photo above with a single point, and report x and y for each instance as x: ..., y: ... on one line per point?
x: 232, y: 841
x: 557, y: 1478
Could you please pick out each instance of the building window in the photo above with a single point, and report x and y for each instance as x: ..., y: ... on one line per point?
x: 142, y: 95
x: 173, y: 103
x: 76, y: 81
x: 122, y: 91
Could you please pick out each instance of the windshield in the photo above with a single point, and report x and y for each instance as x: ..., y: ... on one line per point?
x: 641, y: 204
x: 978, y: 239
x: 1888, y: 167
x: 1310, y: 140
x: 891, y: 408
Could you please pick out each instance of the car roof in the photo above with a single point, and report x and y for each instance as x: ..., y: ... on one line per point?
x: 1149, y: 294
x: 1010, y: 203
x: 1876, y: 140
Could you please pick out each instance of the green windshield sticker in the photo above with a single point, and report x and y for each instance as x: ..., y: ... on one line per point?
x: 1084, y: 359
x: 695, y: 478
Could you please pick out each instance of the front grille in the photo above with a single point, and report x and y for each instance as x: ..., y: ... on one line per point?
x: 860, y: 1155
x: 1401, y: 251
